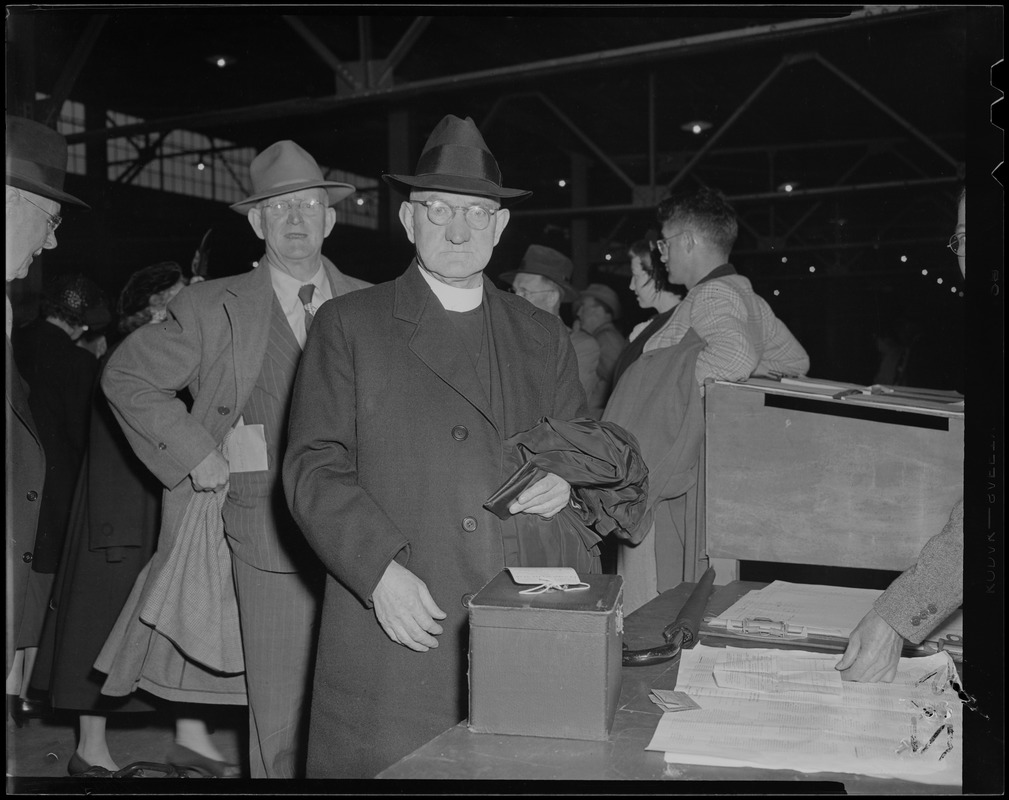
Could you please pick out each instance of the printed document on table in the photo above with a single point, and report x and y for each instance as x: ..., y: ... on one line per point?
x: 909, y: 729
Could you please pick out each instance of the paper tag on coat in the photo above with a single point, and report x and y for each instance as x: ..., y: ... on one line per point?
x: 247, y: 449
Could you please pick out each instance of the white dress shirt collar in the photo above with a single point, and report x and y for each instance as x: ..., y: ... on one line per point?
x: 452, y: 298
x: 286, y: 288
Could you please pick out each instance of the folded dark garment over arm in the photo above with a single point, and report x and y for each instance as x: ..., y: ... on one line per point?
x: 600, y: 460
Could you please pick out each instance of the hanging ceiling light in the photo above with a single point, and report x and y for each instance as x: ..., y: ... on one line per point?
x: 222, y: 61
x: 696, y: 126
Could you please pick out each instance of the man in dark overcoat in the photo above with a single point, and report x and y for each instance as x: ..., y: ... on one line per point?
x: 35, y: 171
x: 235, y: 343
x: 404, y: 399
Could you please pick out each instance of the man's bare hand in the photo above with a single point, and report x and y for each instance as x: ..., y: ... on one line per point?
x: 545, y: 498
x: 405, y: 609
x: 873, y: 651
x: 211, y: 474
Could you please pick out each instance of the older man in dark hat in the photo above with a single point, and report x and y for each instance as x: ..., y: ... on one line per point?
x: 35, y: 168
x: 235, y: 343
x: 61, y: 377
x: 402, y: 407
x: 544, y: 279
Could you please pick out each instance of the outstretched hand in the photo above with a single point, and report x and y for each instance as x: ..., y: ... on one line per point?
x: 545, y: 498
x: 873, y: 651
x: 405, y: 609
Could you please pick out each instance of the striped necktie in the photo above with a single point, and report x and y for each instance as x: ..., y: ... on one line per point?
x: 305, y: 296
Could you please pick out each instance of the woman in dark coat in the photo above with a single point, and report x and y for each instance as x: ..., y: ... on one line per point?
x: 113, y: 533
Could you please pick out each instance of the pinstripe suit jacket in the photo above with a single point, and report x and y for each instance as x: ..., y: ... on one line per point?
x: 213, y: 344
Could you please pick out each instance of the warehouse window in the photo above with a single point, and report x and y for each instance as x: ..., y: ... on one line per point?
x: 190, y: 163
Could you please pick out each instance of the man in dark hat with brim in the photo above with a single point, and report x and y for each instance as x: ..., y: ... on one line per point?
x: 35, y: 168
x: 544, y: 279
x: 403, y: 402
x: 235, y: 344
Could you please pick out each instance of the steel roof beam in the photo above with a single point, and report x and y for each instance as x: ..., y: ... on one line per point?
x: 72, y: 69
x: 691, y: 45
x: 743, y: 198
x: 321, y: 51
x: 402, y: 48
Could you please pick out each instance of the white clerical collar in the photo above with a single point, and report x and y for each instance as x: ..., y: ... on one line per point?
x: 453, y: 298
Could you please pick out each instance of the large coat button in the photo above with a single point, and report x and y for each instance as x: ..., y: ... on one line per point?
x: 32, y: 496
x: 931, y: 608
x: 223, y: 410
x: 460, y: 432
x: 469, y: 524
x: 466, y: 599
x: 27, y: 558
x: 916, y: 621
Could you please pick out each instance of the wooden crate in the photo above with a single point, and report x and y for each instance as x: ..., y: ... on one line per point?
x: 808, y: 479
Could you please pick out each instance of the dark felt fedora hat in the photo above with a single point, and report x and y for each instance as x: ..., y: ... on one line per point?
x: 285, y: 167
x: 550, y: 263
x: 37, y: 160
x: 456, y: 159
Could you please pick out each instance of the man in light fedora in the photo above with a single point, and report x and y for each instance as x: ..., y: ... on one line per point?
x: 597, y: 309
x: 235, y: 344
x: 35, y: 168
x: 544, y: 279
x: 405, y: 398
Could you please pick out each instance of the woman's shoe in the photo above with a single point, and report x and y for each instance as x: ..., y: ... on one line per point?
x: 185, y: 759
x: 22, y: 709
x: 79, y: 768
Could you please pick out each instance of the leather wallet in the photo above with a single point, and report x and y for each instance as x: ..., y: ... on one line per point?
x: 523, y: 477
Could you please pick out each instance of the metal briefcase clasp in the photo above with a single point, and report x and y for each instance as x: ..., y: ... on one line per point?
x: 952, y: 643
x: 761, y: 626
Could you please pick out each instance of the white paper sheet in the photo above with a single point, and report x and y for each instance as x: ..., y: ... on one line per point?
x: 878, y: 729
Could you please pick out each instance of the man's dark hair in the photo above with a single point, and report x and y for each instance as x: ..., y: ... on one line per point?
x: 706, y: 211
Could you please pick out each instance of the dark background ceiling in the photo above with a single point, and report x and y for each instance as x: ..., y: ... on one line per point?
x: 867, y: 108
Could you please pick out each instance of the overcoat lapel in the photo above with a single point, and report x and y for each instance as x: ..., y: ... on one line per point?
x: 17, y: 395
x: 249, y: 307
x: 519, y: 341
x: 338, y: 282
x: 435, y: 340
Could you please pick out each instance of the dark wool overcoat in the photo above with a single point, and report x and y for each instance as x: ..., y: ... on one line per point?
x: 393, y: 448
x: 25, y: 477
x: 61, y: 376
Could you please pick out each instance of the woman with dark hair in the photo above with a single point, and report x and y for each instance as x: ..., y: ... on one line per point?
x: 650, y: 284
x: 113, y: 534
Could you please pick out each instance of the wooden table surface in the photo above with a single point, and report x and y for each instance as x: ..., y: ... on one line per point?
x: 458, y: 754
